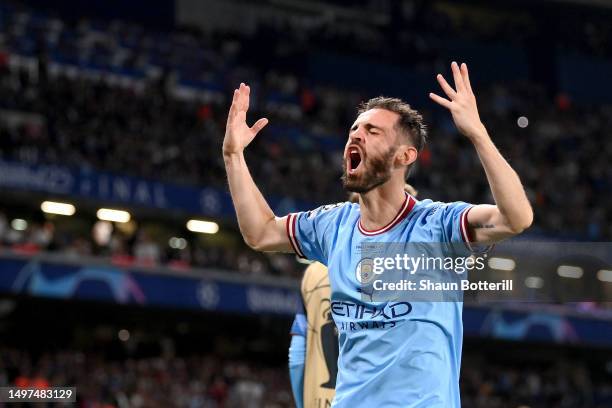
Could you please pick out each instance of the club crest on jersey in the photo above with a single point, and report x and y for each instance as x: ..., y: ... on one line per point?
x: 365, y: 271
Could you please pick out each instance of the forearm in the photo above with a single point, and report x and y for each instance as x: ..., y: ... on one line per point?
x: 512, y: 213
x: 505, y: 184
x: 253, y: 212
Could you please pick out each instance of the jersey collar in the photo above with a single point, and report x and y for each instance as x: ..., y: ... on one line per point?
x: 404, y: 210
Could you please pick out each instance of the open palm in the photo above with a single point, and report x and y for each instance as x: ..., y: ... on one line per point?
x: 238, y: 134
x: 461, y: 101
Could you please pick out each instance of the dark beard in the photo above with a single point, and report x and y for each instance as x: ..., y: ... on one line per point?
x: 379, y: 173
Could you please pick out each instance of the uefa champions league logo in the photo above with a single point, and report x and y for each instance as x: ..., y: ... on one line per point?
x: 365, y: 271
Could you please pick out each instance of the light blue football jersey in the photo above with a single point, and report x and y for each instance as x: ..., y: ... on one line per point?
x: 392, y: 354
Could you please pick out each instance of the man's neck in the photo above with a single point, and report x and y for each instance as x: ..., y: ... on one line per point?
x: 379, y: 206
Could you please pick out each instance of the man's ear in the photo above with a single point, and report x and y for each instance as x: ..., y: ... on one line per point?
x: 407, y: 155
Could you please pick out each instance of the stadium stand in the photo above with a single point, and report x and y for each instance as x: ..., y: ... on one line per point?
x: 121, y: 99
x: 75, y: 120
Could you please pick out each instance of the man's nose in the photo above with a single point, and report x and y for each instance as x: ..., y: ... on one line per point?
x: 357, y: 136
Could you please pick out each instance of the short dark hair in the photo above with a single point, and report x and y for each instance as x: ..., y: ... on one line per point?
x: 410, y: 121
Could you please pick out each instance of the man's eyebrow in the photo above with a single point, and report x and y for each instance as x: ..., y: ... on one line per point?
x: 369, y: 126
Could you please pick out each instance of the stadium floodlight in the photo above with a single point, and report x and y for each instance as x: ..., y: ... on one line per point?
x: 204, y: 227
x: 19, y: 224
x: 534, y: 282
x: 604, y: 275
x: 108, y: 214
x: 124, y: 335
x: 569, y: 271
x: 502, y: 264
x: 177, y: 243
x: 53, y: 207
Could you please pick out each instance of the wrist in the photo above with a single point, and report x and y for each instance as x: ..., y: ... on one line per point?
x: 479, y: 135
x: 229, y: 157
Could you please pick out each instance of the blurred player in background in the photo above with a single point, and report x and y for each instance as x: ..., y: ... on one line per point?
x: 313, y: 352
x: 392, y: 354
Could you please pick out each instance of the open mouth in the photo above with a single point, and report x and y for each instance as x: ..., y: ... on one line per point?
x: 353, y: 160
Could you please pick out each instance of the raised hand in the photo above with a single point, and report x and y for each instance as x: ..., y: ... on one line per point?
x: 238, y: 134
x: 461, y: 102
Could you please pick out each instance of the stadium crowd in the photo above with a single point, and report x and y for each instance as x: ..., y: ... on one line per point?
x: 78, y: 121
x: 192, y: 382
x: 562, y: 146
x: 103, y: 95
x: 210, y: 381
x: 139, y: 249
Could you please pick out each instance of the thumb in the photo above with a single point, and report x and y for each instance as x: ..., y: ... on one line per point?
x: 260, y: 124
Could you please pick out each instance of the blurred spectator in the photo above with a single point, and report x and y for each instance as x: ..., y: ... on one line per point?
x: 146, y: 252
